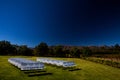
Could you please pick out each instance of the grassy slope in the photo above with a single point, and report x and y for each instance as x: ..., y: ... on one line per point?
x: 89, y: 71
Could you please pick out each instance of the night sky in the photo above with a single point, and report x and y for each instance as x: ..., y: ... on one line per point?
x: 67, y: 22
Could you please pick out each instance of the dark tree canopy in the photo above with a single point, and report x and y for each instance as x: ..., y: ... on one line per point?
x: 75, y: 52
x: 24, y: 50
x: 59, y: 51
x: 6, y: 48
x: 41, y: 50
x: 86, y: 52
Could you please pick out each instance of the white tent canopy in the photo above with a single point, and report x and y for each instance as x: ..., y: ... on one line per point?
x: 57, y: 62
x: 24, y: 64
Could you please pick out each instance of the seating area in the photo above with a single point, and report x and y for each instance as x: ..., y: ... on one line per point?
x: 57, y: 62
x: 24, y: 64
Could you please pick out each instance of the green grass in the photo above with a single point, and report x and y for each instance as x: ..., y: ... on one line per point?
x: 89, y: 71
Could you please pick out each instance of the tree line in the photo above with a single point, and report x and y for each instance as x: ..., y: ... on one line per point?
x: 42, y: 49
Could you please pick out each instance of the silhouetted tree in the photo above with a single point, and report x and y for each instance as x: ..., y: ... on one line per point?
x: 41, y: 50
x: 6, y: 48
x: 76, y: 52
x: 24, y: 50
x: 51, y: 51
x: 86, y: 52
x: 67, y: 53
x: 59, y: 51
x: 117, y: 47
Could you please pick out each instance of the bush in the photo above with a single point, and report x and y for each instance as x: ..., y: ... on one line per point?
x: 101, y: 61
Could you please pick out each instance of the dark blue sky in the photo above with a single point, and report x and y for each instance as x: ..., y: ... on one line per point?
x: 68, y: 22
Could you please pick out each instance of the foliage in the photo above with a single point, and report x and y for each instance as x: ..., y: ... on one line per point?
x: 75, y: 52
x: 41, y: 49
x: 24, y: 50
x: 104, y: 61
x: 6, y: 48
x: 86, y: 52
x: 58, y: 50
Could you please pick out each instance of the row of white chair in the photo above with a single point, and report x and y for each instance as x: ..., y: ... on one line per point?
x: 57, y: 62
x: 24, y: 64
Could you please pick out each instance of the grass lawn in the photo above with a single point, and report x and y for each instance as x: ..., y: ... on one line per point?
x: 89, y: 71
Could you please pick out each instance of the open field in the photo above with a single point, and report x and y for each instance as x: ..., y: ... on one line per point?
x: 89, y: 71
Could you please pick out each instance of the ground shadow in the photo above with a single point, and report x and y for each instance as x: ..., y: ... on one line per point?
x: 72, y: 69
x: 27, y: 72
x: 75, y: 69
x: 40, y: 74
